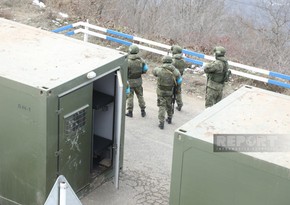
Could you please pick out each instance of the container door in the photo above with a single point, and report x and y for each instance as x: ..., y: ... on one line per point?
x: 75, y: 121
x: 118, y: 121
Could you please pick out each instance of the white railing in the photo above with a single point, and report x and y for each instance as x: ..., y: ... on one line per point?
x: 90, y: 30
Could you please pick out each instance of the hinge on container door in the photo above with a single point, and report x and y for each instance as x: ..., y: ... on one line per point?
x: 59, y: 111
x: 57, y: 153
x: 115, y: 146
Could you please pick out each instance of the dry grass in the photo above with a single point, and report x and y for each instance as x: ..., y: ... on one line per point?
x: 16, y: 3
x: 5, y: 13
x: 8, y: 7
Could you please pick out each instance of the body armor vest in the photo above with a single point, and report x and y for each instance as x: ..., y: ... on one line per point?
x: 135, y: 65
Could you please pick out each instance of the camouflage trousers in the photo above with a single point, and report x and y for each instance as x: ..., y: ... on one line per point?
x: 130, y: 100
x: 165, y: 106
x: 179, y: 97
x: 212, y: 96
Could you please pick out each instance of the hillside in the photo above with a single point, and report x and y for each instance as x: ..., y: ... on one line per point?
x: 48, y: 18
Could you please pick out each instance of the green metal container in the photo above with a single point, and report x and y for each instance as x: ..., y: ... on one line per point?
x: 62, y: 113
x: 204, y: 176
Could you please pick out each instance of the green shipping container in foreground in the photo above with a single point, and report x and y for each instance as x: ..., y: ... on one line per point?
x: 62, y: 113
x: 251, y: 161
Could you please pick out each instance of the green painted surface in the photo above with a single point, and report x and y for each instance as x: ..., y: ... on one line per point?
x: 75, y: 139
x: 22, y: 146
x: 32, y: 130
x: 203, y: 177
x: 200, y: 176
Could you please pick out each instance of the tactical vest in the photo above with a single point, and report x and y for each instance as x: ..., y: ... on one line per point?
x: 220, y: 77
x: 135, y: 65
x: 166, y: 80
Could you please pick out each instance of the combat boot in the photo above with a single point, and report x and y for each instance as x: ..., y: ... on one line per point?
x: 178, y: 108
x: 161, y: 125
x: 129, y: 114
x: 168, y: 120
x: 143, y: 113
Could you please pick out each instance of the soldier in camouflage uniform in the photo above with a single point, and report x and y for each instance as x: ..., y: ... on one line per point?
x: 168, y: 77
x: 136, y: 67
x: 217, y: 74
x: 180, y: 64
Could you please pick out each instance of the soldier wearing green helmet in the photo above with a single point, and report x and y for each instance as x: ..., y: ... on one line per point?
x: 168, y: 77
x: 136, y: 67
x: 180, y: 64
x: 217, y: 74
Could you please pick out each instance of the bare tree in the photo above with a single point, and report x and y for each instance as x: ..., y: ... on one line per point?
x: 261, y: 40
x: 274, y: 32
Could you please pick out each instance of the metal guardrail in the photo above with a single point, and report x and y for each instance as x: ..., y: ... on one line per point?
x: 87, y: 32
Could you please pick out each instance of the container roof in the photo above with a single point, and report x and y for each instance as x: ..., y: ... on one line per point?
x: 248, y: 111
x: 41, y: 58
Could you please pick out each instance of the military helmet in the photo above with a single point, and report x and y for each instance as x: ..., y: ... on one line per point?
x: 167, y: 59
x: 133, y: 49
x: 219, y: 51
x: 176, y: 49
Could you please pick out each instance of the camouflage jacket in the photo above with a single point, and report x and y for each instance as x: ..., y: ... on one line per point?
x: 168, y: 77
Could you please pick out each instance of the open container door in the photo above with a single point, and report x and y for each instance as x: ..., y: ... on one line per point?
x: 118, y: 121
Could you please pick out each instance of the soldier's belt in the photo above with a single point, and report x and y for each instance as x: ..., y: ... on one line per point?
x: 165, y: 88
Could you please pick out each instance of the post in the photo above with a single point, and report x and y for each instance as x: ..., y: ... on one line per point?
x: 62, y: 193
x: 86, y: 36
